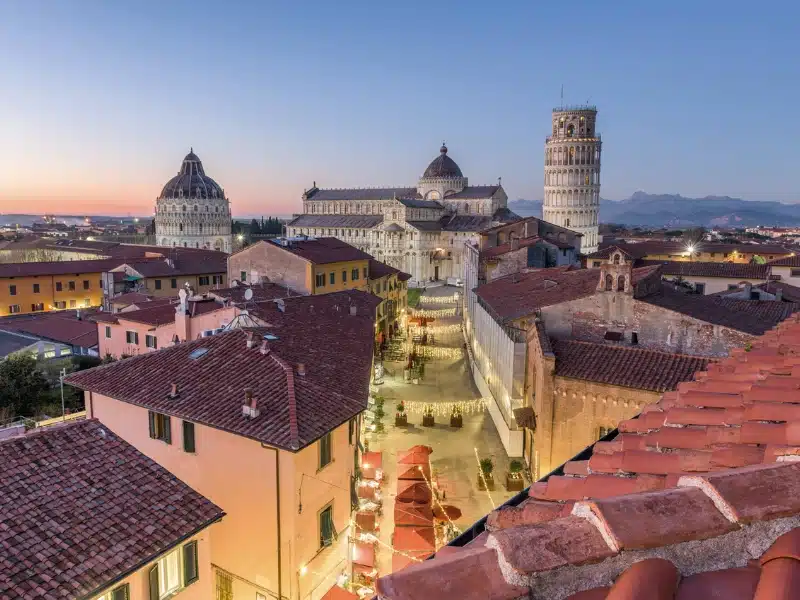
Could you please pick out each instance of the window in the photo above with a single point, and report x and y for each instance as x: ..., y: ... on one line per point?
x: 354, y: 275
x: 332, y: 277
x: 603, y: 431
x: 35, y: 288
x: 87, y: 302
x: 365, y: 272
x: 325, y: 450
x: 132, y: 337
x: 733, y: 286
x: 160, y: 427
x: 203, y: 280
x: 243, y: 276
x: 14, y: 309
x: 225, y: 585
x: 344, y: 276
x: 614, y: 336
x: 634, y: 338
x: 108, y: 332
x: 59, y: 286
x: 191, y: 573
x: 121, y: 592
x: 700, y: 288
x: 351, y: 428
x: 165, y: 576
x: 327, y: 532
x: 73, y: 303
x: 320, y: 279
x: 188, y: 436
x: 158, y: 284
x: 60, y: 304
x: 217, y: 279
x: 384, y: 285
x: 86, y: 284
x: 71, y: 286
x: 150, y: 341
x: 173, y: 283
x: 596, y: 263
x: 37, y: 307
x: 12, y: 290
x: 754, y: 295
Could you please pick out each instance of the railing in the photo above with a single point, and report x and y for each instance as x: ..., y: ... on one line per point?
x: 575, y: 138
x: 55, y: 420
x: 573, y: 107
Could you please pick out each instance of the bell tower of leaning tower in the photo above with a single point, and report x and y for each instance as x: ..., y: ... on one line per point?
x: 572, y: 173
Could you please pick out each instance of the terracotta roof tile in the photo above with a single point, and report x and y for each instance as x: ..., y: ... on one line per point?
x: 321, y: 250
x: 73, y: 499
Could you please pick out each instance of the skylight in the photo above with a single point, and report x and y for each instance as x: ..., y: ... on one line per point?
x: 270, y: 337
x: 198, y: 353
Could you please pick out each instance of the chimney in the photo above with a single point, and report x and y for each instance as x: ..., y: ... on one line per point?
x: 301, y: 369
x: 173, y: 393
x: 264, y: 347
x: 250, y: 405
x: 250, y: 340
x: 353, y: 310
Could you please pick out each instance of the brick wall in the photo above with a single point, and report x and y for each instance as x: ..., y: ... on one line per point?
x: 269, y: 260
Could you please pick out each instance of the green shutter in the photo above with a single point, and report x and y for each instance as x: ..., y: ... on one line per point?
x: 154, y: 582
x: 167, y: 430
x: 121, y: 592
x: 188, y: 436
x: 151, y: 416
x: 190, y: 570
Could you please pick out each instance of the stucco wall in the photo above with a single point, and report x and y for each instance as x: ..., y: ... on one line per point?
x: 268, y: 260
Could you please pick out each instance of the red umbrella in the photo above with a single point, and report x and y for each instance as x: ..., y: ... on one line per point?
x: 367, y: 492
x: 413, y: 514
x: 420, y: 472
x: 337, y: 593
x: 414, y: 538
x: 370, y: 462
x: 453, y: 513
x: 413, y: 491
x: 365, y: 522
x: 364, y: 554
x: 418, y: 455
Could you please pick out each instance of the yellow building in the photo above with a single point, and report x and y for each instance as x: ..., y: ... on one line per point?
x: 44, y: 286
x: 391, y: 286
x: 663, y: 250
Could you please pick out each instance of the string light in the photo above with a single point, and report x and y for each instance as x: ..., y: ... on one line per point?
x: 446, y: 408
x: 439, y: 299
x: 435, y: 329
x: 435, y: 496
x: 436, y: 313
x: 485, y: 484
x: 439, y: 352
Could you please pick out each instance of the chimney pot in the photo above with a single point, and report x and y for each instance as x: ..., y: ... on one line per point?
x: 301, y: 369
x: 174, y: 390
x: 353, y: 310
x: 250, y: 341
x: 265, y: 349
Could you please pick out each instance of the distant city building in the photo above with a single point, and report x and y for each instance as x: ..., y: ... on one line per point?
x: 572, y: 173
x: 192, y: 210
x: 420, y: 230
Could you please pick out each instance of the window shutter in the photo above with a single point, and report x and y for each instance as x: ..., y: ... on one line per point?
x: 151, y: 416
x: 154, y: 582
x: 167, y: 430
x: 188, y: 436
x: 190, y: 570
x: 121, y: 592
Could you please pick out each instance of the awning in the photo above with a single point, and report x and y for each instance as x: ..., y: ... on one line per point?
x: 364, y: 554
x: 413, y: 491
x: 525, y: 417
x: 367, y: 492
x: 416, y: 472
x: 417, y: 455
x: 419, y: 515
x: 447, y: 512
x: 370, y: 463
x: 337, y: 593
x: 365, y: 521
x: 407, y: 539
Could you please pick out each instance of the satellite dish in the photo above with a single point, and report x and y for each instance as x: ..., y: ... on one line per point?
x: 248, y: 294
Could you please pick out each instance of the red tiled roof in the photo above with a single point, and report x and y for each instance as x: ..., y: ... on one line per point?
x: 131, y: 298
x: 710, y: 269
x: 770, y: 312
x: 162, y: 314
x: 81, y: 509
x: 521, y: 294
x: 261, y: 291
x: 377, y: 269
x: 208, y: 264
x: 789, y: 293
x: 789, y: 261
x: 642, y: 249
x: 322, y: 250
x: 495, y: 251
x: 295, y: 410
x: 624, y: 366
x: 61, y: 326
x: 64, y: 267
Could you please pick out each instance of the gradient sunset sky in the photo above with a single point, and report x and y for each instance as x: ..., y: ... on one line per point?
x: 100, y: 100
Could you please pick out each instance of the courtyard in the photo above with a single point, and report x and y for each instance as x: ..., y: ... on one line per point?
x: 446, y: 382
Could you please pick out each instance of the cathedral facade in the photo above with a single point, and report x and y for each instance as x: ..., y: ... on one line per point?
x: 420, y: 229
x: 192, y: 210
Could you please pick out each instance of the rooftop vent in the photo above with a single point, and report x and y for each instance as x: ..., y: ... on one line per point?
x: 174, y: 392
x: 264, y: 347
x: 301, y: 369
x: 549, y: 283
x: 353, y: 310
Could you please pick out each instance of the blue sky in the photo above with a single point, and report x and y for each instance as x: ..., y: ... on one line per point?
x: 99, y: 100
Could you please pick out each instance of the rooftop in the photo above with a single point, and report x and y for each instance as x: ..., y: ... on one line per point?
x: 73, y: 327
x: 710, y: 269
x: 642, y: 249
x: 377, y: 270
x: 317, y: 331
x: 321, y: 250
x: 74, y: 499
x: 624, y: 366
x: 677, y: 505
x: 164, y: 314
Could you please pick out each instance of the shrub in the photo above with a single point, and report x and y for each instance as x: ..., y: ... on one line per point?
x: 487, y: 466
x: 515, y: 466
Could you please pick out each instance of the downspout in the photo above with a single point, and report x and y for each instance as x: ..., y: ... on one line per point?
x: 278, y: 517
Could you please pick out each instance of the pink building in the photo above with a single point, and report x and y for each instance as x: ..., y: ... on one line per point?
x: 265, y: 422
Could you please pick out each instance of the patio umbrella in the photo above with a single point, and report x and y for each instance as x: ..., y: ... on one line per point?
x: 413, y: 491
x: 413, y: 514
x: 401, y: 561
x: 365, y: 521
x: 364, y: 554
x: 370, y: 463
x: 406, y: 539
x: 420, y: 472
x: 337, y: 593
x: 367, y: 492
x: 417, y: 455
x: 450, y: 512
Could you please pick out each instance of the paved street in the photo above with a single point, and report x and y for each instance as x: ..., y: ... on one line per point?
x: 454, y: 463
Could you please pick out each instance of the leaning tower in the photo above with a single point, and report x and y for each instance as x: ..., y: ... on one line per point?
x: 572, y: 173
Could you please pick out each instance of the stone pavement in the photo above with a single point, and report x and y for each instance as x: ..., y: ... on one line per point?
x: 454, y: 463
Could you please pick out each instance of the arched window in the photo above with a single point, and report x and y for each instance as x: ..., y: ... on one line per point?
x: 566, y: 223
x: 570, y: 130
x: 184, y: 208
x: 609, y: 283
x: 180, y: 227
x: 616, y: 259
x: 621, y: 283
x: 195, y: 208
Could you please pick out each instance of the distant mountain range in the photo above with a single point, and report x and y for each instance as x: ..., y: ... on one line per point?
x: 674, y: 210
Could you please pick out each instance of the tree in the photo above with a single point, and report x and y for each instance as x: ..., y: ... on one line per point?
x: 150, y: 229
x: 693, y: 235
x: 22, y: 387
x: 254, y: 227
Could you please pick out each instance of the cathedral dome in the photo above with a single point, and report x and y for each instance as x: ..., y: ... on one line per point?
x: 442, y: 166
x: 192, y: 182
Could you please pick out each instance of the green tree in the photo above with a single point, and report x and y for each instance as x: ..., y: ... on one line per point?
x: 255, y: 228
x: 22, y: 387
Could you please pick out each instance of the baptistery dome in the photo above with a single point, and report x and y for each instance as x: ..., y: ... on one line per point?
x: 192, y: 210
x: 442, y: 166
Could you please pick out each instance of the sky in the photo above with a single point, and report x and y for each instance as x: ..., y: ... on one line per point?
x: 100, y: 101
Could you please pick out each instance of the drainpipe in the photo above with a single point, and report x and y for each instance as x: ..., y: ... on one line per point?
x: 278, y: 517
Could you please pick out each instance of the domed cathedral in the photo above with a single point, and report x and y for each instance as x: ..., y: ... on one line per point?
x: 572, y: 173
x: 192, y: 210
x: 419, y: 229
